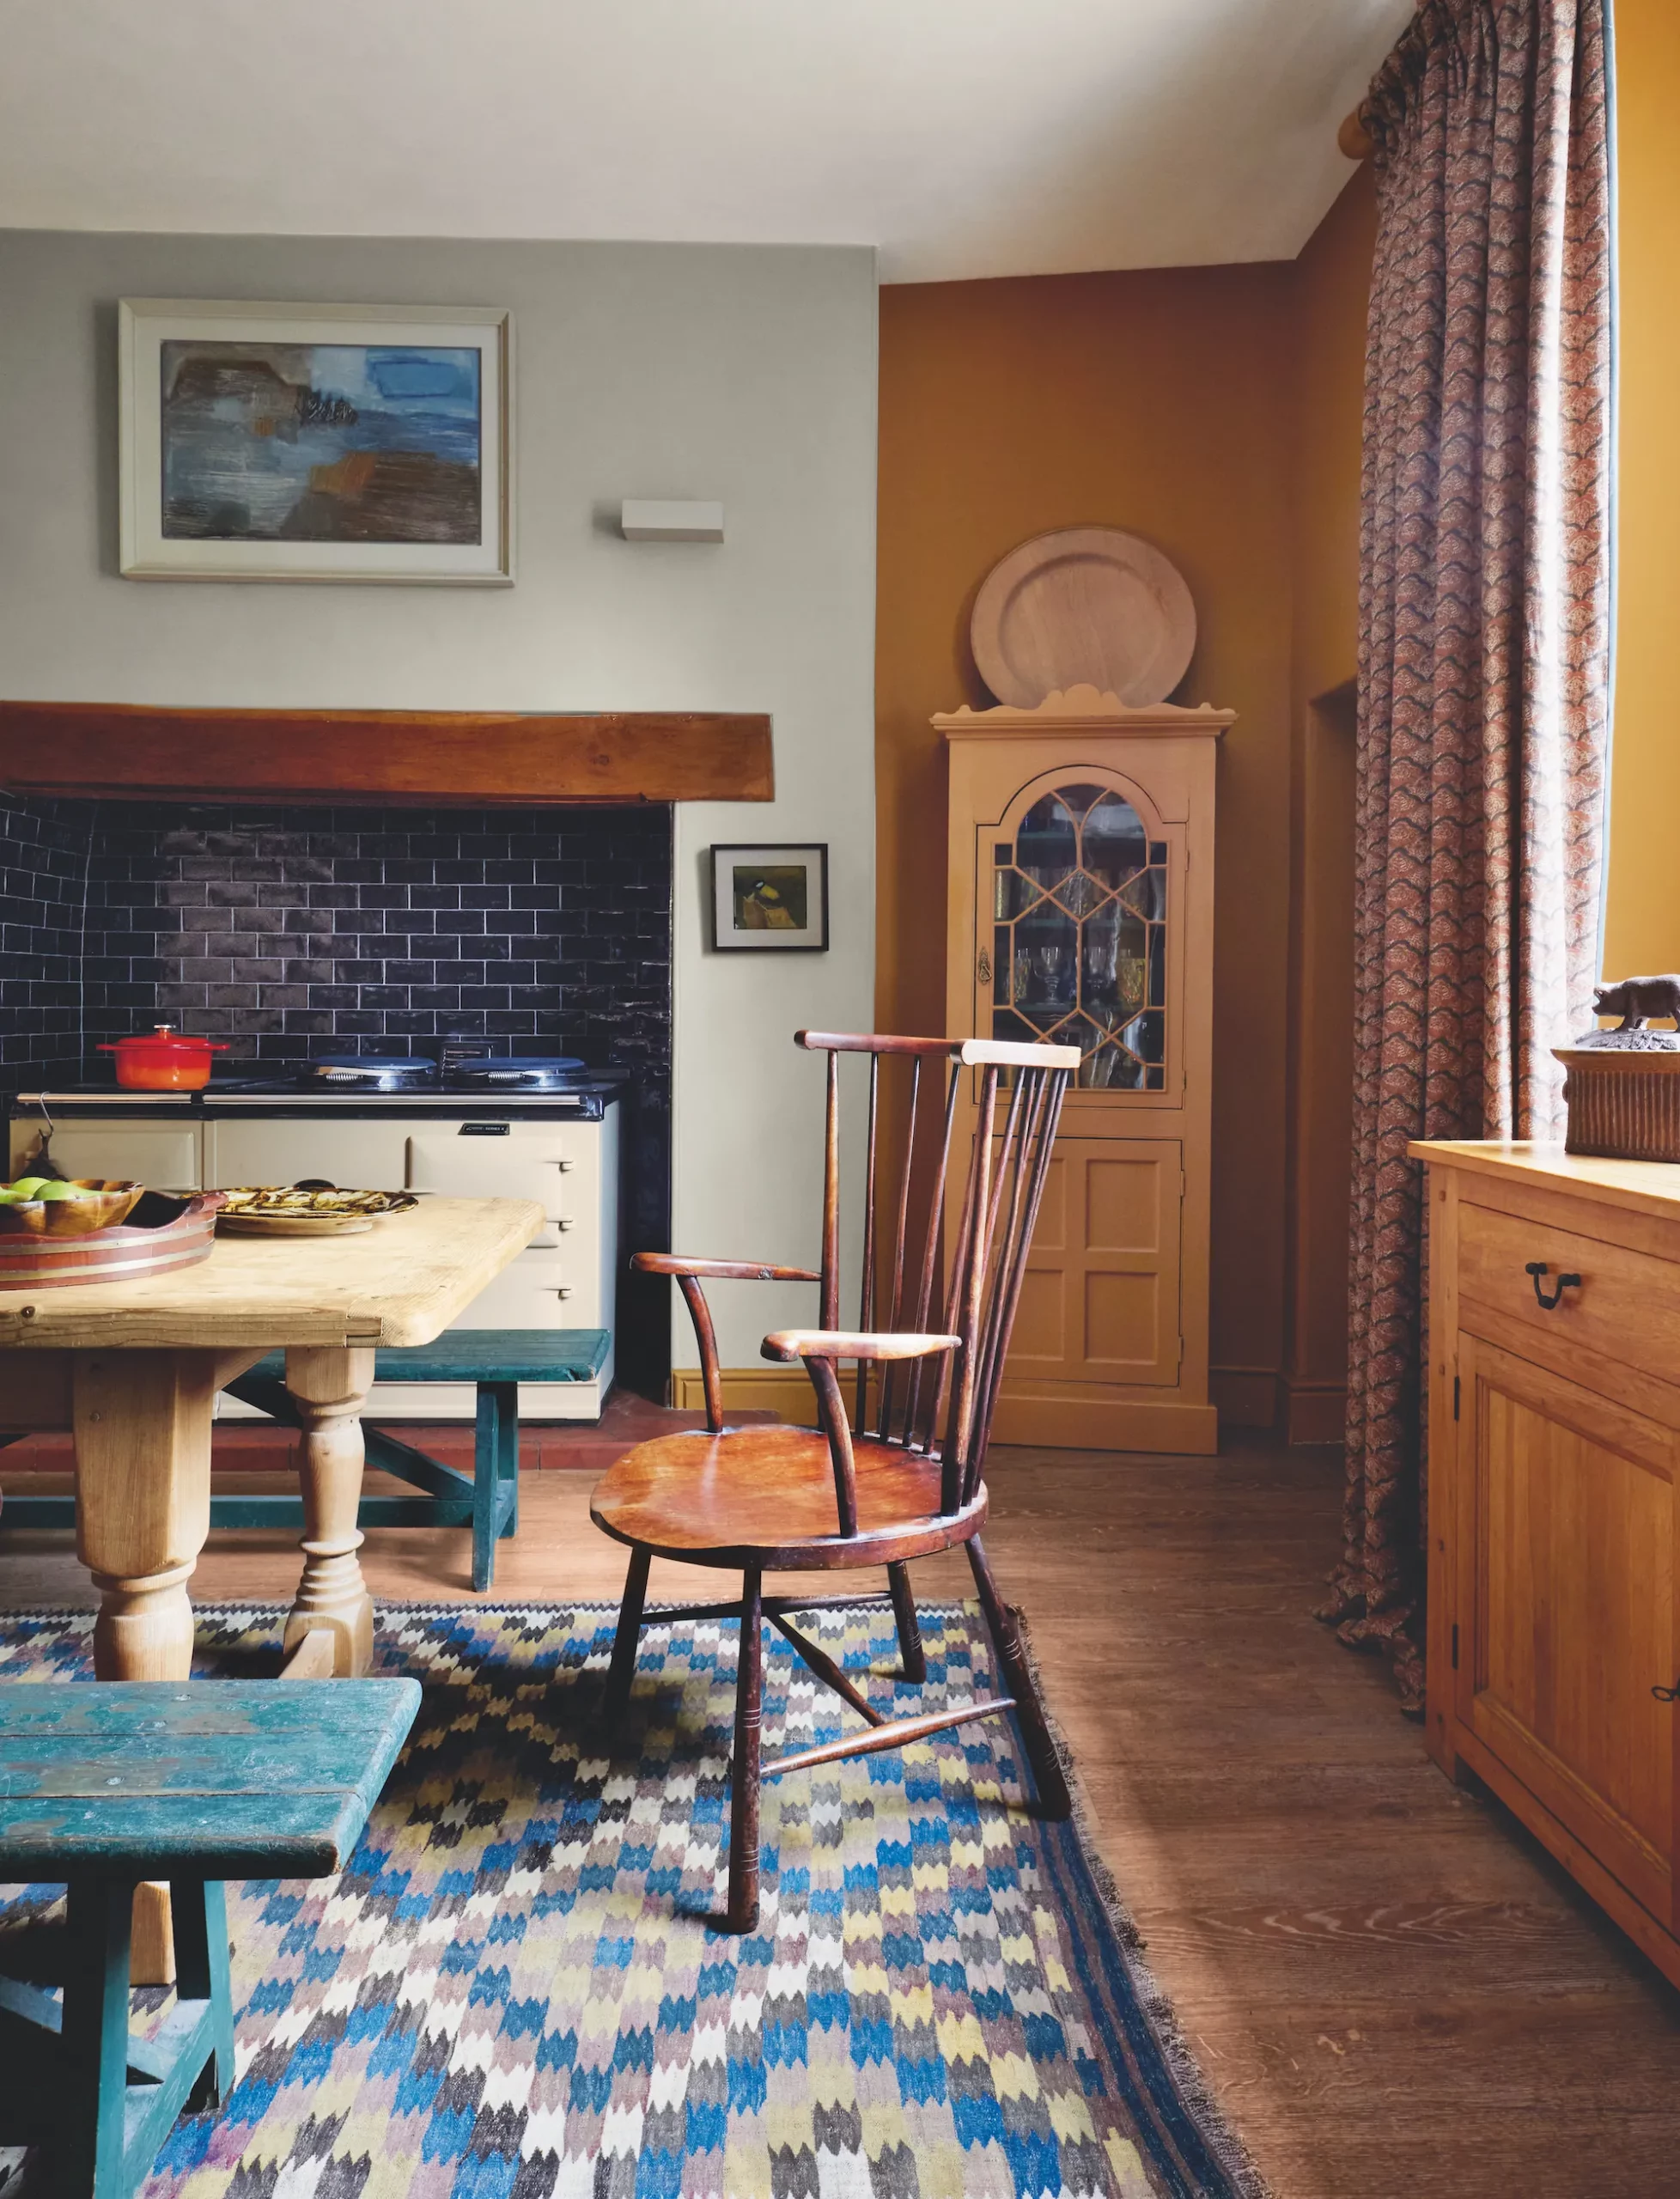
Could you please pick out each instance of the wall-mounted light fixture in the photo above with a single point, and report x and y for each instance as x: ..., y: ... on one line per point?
x: 654, y: 519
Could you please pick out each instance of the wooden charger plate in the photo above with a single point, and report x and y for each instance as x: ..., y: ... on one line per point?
x: 1083, y: 605
x: 293, y: 1225
x: 268, y: 1210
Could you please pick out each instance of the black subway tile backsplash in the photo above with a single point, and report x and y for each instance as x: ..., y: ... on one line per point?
x: 44, y: 855
x: 290, y: 932
x: 288, y: 928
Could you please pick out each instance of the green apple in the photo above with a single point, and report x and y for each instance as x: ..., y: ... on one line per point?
x: 61, y: 1191
x: 27, y: 1186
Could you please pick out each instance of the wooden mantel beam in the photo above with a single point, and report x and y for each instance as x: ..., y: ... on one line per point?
x: 137, y: 753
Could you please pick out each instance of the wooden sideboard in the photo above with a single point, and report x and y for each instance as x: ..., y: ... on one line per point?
x: 1553, y: 1512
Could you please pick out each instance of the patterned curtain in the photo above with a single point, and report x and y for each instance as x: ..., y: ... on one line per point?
x: 1483, y: 686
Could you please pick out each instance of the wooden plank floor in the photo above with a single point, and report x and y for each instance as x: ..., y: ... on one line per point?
x: 1394, y: 1992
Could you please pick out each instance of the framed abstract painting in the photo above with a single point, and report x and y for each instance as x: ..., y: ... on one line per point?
x: 284, y: 442
x: 770, y: 899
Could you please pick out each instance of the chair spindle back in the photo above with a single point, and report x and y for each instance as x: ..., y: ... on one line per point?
x: 1001, y: 1181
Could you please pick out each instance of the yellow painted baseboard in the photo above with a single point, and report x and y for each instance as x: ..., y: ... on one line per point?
x: 784, y: 1391
x: 1262, y: 1397
x: 1243, y: 1397
x: 1073, y: 1423
x: 1315, y: 1412
x: 1246, y: 1396
x: 1059, y: 1424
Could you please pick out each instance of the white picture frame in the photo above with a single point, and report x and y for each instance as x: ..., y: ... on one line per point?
x: 234, y: 466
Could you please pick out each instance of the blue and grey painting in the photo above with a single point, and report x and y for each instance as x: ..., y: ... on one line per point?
x: 320, y: 442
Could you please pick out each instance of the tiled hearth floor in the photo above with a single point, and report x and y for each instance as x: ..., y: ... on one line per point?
x: 1393, y: 1992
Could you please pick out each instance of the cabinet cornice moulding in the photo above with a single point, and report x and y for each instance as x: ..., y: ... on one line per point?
x: 490, y: 758
x: 1067, y: 710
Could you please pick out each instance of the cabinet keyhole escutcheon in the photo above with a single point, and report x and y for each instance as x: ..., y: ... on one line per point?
x: 1537, y: 1269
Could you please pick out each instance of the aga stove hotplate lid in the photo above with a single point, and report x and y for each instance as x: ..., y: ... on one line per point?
x: 518, y: 1072
x: 371, y: 1072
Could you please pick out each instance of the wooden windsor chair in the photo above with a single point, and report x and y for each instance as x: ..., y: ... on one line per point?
x: 908, y: 1482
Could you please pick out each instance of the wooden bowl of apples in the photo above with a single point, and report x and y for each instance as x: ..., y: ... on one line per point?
x: 49, y: 1206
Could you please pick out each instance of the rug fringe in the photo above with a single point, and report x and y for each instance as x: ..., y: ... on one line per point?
x: 1226, y: 2145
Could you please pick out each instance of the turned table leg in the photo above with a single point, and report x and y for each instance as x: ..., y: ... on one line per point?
x: 331, y: 1628
x: 141, y: 1421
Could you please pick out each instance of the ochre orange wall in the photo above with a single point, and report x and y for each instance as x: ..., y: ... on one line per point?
x: 1217, y: 411
x: 1160, y: 402
x: 1642, y: 931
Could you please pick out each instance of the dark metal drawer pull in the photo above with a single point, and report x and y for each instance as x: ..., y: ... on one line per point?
x: 1536, y: 1268
x: 1667, y: 1694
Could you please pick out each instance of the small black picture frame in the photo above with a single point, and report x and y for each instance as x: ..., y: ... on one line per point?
x: 769, y: 897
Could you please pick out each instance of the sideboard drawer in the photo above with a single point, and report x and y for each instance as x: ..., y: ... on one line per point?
x: 1626, y: 1305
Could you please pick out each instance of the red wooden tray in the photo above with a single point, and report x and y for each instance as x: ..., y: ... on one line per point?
x: 160, y: 1233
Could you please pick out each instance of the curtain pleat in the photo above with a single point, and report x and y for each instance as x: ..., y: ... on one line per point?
x: 1483, y: 687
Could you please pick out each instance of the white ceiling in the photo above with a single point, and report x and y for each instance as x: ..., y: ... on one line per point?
x: 962, y: 137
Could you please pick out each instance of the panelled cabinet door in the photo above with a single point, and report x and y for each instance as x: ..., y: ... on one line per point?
x: 361, y: 1154
x: 1100, y: 1299
x: 1567, y: 1578
x: 164, y: 1155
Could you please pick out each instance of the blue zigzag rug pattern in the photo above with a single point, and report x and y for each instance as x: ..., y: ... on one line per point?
x: 514, y: 1991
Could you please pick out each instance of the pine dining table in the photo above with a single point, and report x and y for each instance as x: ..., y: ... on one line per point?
x: 132, y: 1368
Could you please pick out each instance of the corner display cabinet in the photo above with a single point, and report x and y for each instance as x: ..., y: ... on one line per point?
x: 1082, y: 881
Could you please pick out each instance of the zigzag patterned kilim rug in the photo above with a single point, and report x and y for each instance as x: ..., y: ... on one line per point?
x: 513, y: 1992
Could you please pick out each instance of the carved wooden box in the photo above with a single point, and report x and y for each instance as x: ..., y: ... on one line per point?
x: 1624, y: 1102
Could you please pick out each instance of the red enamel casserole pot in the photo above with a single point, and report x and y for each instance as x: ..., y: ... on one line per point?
x: 166, y: 1061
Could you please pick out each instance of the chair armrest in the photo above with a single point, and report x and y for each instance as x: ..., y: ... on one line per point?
x: 845, y: 1343
x: 680, y: 1264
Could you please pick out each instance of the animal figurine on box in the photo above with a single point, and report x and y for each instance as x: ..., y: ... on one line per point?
x: 1636, y: 999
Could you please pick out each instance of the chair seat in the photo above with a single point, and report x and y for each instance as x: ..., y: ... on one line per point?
x: 765, y: 1496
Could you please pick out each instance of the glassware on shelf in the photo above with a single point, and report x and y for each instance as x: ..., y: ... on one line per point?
x: 1079, y: 949
x: 1102, y: 949
x: 1050, y: 970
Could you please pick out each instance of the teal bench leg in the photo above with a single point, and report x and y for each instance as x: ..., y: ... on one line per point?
x: 103, y: 2132
x: 495, y: 1477
x: 200, y: 1907
x: 507, y: 1459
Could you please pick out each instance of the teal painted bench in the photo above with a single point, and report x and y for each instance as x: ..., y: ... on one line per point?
x: 496, y: 1361
x: 105, y: 1783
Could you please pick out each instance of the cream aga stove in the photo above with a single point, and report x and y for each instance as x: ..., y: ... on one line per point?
x: 516, y: 1129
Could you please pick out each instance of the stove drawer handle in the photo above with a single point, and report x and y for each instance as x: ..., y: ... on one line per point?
x: 562, y: 1165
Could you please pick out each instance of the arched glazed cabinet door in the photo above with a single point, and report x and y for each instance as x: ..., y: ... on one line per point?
x: 1080, y: 850
x: 1075, y: 922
